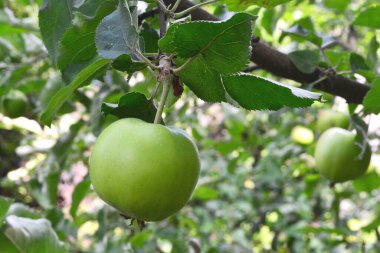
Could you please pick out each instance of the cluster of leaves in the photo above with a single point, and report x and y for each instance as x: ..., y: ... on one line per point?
x: 259, y: 190
x: 209, y: 54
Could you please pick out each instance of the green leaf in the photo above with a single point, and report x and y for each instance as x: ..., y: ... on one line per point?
x: 49, y: 188
x: 357, y: 62
x: 8, y: 82
x: 371, y: 100
x: 338, y: 5
x: 368, y: 182
x: 374, y: 224
x: 54, y: 18
x: 5, y: 203
x: 320, y: 230
x: 22, y: 210
x: 298, y: 31
x: 150, y: 37
x: 305, y: 60
x: 268, y: 20
x: 372, y: 51
x: 166, y: 43
x: 78, y: 42
x: 78, y: 195
x: 83, y: 78
x: 138, y: 240
x: 205, y: 193
x: 125, y: 63
x: 6, y: 246
x: 236, y: 5
x: 361, y: 139
x: 203, y: 80
x: 225, y: 46
x: 52, y: 86
x: 369, y: 17
x: 63, y: 145
x: 339, y: 60
x: 268, y: 3
x: 91, y: 7
x: 117, y: 34
x: 132, y: 105
x: 256, y: 93
x: 33, y: 236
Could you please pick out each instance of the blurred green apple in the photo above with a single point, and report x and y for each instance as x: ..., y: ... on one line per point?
x: 14, y: 104
x: 329, y: 118
x: 337, y: 156
x: 302, y: 135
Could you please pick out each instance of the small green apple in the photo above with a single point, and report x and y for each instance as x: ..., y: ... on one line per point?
x: 302, y: 135
x: 14, y: 104
x: 337, y: 156
x: 146, y: 171
x: 329, y: 118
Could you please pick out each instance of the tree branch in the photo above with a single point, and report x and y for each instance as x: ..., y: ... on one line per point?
x: 197, y: 14
x: 147, y: 14
x: 280, y: 64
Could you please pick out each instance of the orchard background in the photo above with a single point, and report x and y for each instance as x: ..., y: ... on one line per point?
x: 82, y: 64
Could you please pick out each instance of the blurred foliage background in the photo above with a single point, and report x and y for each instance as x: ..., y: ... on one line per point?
x: 259, y: 189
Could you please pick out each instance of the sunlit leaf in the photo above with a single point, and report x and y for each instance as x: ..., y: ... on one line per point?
x: 369, y: 17
x: 225, y: 46
x: 84, y: 78
x: 33, y: 236
x: 256, y: 93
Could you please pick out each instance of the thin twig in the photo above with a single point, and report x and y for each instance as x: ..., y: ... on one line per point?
x: 146, y: 60
x: 192, y: 8
x: 162, y: 7
x: 150, y: 54
x: 162, y: 14
x: 164, y: 96
x: 318, y: 81
x: 175, y: 6
x: 185, y: 65
x: 251, y: 68
x: 377, y: 235
x: 165, y: 76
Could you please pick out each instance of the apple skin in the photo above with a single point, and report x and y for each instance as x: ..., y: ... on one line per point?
x: 330, y: 118
x: 302, y: 135
x: 146, y: 171
x: 15, y: 104
x: 336, y: 156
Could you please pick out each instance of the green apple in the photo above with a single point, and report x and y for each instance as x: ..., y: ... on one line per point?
x: 337, y: 156
x: 329, y: 118
x: 302, y: 135
x: 146, y: 171
x: 14, y: 104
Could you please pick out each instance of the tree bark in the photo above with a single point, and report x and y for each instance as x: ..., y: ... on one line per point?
x: 280, y: 65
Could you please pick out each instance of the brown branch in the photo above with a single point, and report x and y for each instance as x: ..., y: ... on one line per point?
x: 280, y: 64
x: 197, y: 14
x: 147, y: 14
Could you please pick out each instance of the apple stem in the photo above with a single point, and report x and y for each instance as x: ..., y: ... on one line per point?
x: 164, y: 95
